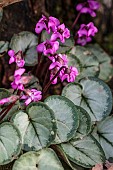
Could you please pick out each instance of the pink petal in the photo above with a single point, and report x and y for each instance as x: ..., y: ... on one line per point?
x: 11, y: 60
x: 40, y: 47
x: 19, y: 71
x: 3, y: 101
x: 28, y: 101
x: 79, y: 7
x: 54, y: 36
x: 11, y: 53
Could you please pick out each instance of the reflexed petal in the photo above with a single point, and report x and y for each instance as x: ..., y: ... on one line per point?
x: 56, y: 46
x: 82, y: 32
x: 11, y: 60
x: 79, y: 6
x: 40, y: 27
x: 54, y: 64
x: 94, y: 4
x: 40, y: 47
x: 19, y: 72
x: 29, y: 100
x: 3, y: 101
x: 11, y: 53
x: 54, y: 36
x: 85, y: 10
x: 20, y: 63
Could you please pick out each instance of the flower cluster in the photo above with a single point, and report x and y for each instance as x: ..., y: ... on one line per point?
x: 88, y: 7
x: 86, y: 32
x: 19, y: 81
x: 49, y: 48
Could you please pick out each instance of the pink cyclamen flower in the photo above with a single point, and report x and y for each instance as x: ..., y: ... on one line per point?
x: 47, y: 24
x: 17, y: 83
x: 58, y: 60
x: 48, y: 47
x: 10, y: 99
x: 88, y: 7
x: 32, y: 95
x: 61, y: 32
x: 69, y: 74
x: 16, y: 58
x: 85, y: 33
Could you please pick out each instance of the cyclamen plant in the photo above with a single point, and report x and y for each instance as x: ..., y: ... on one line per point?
x: 74, y: 127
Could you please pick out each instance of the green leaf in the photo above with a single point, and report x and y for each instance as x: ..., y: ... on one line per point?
x: 86, y: 152
x: 10, y: 143
x: 104, y: 134
x: 37, y: 126
x: 106, y: 69
x: 26, y: 42
x: 93, y: 95
x: 88, y: 64
x: 4, y: 46
x: 66, y: 116
x: 84, y: 124
x: 44, y: 159
x: 4, y: 93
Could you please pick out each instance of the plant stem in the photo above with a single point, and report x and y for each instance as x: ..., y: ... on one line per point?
x: 7, y: 110
x: 39, y: 56
x: 76, y: 19
x: 49, y: 83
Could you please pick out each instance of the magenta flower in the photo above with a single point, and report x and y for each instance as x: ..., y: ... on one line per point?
x: 17, y: 83
x: 88, y: 7
x: 48, y: 47
x: 69, y: 74
x: 58, y: 60
x: 85, y: 32
x: 47, y: 24
x: 10, y: 99
x: 32, y: 95
x: 61, y: 33
x: 16, y: 58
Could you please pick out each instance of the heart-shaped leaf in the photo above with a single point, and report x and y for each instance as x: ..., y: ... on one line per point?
x: 106, y: 69
x: 44, y: 159
x: 66, y: 116
x: 93, y: 95
x: 104, y: 134
x: 84, y: 123
x: 37, y: 126
x: 88, y: 62
x: 86, y: 152
x: 10, y: 143
x: 26, y: 42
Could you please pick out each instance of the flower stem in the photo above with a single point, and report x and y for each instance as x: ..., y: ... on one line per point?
x: 4, y: 112
x: 7, y: 110
x: 76, y: 19
x: 49, y: 83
